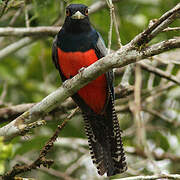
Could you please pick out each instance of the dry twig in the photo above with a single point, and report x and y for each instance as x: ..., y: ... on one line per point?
x: 171, y: 29
x: 159, y: 72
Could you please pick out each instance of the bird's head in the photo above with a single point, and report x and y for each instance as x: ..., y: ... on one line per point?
x: 77, y: 19
x: 76, y: 11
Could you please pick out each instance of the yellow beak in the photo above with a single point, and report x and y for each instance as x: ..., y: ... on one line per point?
x: 78, y: 15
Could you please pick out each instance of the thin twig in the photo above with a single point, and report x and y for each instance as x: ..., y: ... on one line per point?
x: 160, y: 72
x: 50, y: 171
x: 3, y: 94
x: 169, y: 69
x: 109, y: 2
x: 16, y: 15
x: 113, y: 21
x: 157, y: 113
x: 26, y: 15
x: 151, y: 77
x: 31, y: 126
x: 76, y: 164
x: 127, y: 75
x: 154, y: 177
x: 140, y: 127
x: 171, y: 29
x: 116, y: 28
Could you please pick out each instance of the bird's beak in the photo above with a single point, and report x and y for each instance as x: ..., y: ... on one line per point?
x: 78, y: 15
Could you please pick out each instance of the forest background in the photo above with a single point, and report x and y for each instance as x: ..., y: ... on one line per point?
x: 27, y: 75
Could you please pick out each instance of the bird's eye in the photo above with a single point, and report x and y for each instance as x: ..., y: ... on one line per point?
x: 68, y: 12
x: 86, y: 12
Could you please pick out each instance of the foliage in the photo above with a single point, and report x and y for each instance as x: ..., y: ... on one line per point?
x: 5, y: 154
x: 28, y: 75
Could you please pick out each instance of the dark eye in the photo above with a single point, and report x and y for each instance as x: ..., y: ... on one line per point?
x: 68, y: 12
x: 86, y: 12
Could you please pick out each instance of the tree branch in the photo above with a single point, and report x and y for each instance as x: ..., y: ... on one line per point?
x: 160, y: 72
x: 30, y: 31
x: 15, y: 46
x: 161, y: 176
x: 12, y: 111
x: 171, y: 29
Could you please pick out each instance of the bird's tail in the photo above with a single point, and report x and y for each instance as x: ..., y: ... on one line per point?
x: 105, y: 144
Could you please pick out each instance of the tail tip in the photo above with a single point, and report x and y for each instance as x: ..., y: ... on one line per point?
x: 115, y: 171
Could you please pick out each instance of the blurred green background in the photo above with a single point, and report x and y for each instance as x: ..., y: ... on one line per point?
x: 28, y: 75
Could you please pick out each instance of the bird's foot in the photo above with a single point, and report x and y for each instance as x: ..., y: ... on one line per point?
x: 81, y: 70
x: 66, y: 84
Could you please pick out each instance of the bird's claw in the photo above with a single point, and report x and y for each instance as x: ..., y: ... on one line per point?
x: 66, y: 84
x: 81, y: 70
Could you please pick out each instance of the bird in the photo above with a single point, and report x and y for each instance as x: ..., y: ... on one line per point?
x: 77, y: 46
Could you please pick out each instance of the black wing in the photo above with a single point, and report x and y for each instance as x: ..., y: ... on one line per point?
x: 101, y: 51
x: 55, y: 58
x: 54, y: 53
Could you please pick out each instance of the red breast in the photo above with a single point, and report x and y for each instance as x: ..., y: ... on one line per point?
x: 94, y: 94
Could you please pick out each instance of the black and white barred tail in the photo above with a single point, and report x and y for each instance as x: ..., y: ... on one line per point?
x: 104, y: 138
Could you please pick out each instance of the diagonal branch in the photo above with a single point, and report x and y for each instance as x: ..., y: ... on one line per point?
x: 160, y: 72
x: 15, y: 46
x: 158, y: 26
x: 122, y: 57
